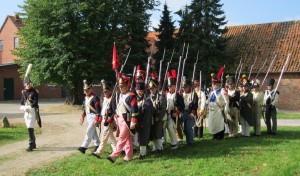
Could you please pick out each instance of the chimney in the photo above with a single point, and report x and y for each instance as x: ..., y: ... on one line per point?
x: 17, y: 17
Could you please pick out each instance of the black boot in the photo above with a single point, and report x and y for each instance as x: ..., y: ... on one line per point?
x: 95, y: 149
x: 200, y: 132
x: 32, y: 144
x: 82, y: 149
x: 196, y: 131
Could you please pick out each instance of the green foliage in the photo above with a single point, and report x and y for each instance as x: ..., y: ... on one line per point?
x: 165, y: 37
x: 202, y: 26
x: 288, y: 116
x: 14, y: 133
x: 71, y: 40
x: 264, y: 155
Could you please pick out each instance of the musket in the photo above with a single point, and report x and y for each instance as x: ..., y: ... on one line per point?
x: 182, y: 73
x: 122, y: 67
x: 176, y: 88
x: 132, y: 81
x: 193, y: 77
x: 222, y: 77
x: 160, y: 65
x: 282, y: 71
x: 28, y: 70
x: 261, y: 68
x: 237, y: 69
x: 252, y: 68
x: 165, y: 77
x: 200, y: 81
x: 268, y: 72
x: 148, y: 66
x: 238, y: 78
x: 183, y: 49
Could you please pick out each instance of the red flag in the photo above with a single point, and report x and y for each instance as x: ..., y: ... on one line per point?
x: 115, y: 59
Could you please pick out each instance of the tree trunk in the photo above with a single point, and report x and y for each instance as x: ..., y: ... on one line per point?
x: 75, y: 95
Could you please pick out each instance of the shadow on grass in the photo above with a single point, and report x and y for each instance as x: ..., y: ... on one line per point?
x: 207, y: 147
x: 42, y: 149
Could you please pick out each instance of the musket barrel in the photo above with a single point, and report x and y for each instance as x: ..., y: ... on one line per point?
x: 268, y: 71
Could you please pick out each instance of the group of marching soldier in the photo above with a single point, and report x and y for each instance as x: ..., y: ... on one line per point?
x: 136, y: 112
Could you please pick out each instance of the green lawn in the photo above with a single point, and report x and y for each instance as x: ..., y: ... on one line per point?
x: 264, y: 155
x: 288, y: 116
x: 15, y: 133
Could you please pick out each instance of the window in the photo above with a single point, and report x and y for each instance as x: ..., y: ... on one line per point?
x: 16, y: 44
x: 1, y: 45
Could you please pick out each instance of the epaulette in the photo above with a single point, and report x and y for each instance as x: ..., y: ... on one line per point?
x: 37, y: 91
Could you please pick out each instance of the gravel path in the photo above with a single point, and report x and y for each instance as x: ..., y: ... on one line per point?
x: 61, y: 135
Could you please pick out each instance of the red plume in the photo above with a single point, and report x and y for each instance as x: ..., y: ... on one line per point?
x: 119, y: 75
x: 168, y: 74
x: 138, y: 67
x: 220, y: 72
x: 174, y: 75
x: 153, y: 75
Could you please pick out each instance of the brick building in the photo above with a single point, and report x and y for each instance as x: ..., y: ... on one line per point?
x: 264, y: 41
x: 10, y: 82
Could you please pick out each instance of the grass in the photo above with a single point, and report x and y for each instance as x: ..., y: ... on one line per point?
x: 288, y: 116
x: 17, y: 132
x: 264, y: 155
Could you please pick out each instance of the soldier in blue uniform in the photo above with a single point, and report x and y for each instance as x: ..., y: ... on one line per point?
x: 190, y: 110
x: 159, y: 110
x: 144, y: 121
x: 270, y: 104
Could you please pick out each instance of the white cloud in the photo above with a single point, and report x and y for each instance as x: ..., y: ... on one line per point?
x: 292, y: 18
x: 174, y: 6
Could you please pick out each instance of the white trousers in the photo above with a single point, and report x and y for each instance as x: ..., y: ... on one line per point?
x: 171, y: 128
x: 91, y: 132
x: 245, y: 127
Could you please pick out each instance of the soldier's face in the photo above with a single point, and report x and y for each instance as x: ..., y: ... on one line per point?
x: 140, y: 93
x: 246, y: 89
x: 187, y: 89
x: 27, y: 86
x: 124, y: 89
x: 88, y: 92
x: 269, y: 87
x: 153, y: 90
x: 230, y: 86
x: 215, y: 86
x: 171, y: 88
x: 107, y: 93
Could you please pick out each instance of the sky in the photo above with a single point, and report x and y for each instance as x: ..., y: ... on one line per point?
x: 237, y: 12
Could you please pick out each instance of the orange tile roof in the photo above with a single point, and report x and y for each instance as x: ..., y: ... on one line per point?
x: 264, y: 41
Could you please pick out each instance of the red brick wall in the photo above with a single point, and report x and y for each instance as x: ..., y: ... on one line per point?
x: 11, y: 71
x: 289, y: 88
x: 7, y: 35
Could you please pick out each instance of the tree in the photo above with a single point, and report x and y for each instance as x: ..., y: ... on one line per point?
x: 202, y: 27
x: 165, y: 37
x: 71, y: 40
